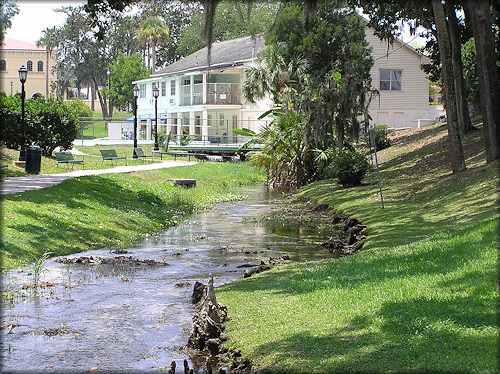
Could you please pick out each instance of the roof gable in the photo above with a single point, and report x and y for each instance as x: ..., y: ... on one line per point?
x: 227, y: 53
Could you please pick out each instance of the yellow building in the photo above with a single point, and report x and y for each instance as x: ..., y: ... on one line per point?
x: 38, y: 61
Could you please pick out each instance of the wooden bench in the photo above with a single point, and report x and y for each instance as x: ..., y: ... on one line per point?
x: 67, y: 158
x: 110, y: 154
x: 138, y: 153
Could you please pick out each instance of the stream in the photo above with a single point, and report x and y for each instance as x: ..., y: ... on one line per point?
x: 126, y: 317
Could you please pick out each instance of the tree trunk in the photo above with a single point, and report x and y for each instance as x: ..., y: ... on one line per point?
x: 92, y: 96
x: 148, y: 55
x: 455, y: 145
x: 464, y: 122
x: 153, y: 56
x: 340, y: 135
x: 478, y: 14
x: 102, y: 100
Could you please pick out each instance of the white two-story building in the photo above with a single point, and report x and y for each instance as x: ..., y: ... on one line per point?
x: 206, y: 101
x: 202, y: 101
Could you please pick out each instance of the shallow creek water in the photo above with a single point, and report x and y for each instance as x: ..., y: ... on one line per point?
x: 135, y: 318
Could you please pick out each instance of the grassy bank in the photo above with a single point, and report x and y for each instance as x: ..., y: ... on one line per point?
x: 421, y: 296
x: 111, y: 210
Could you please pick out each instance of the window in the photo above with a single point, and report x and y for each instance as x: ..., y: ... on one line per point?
x: 29, y: 65
x: 186, y: 81
x: 163, y: 88
x: 185, y: 124
x: 197, y: 124
x: 198, y: 79
x: 142, y: 91
x: 3, y: 65
x: 391, y: 80
x: 39, y: 66
x: 172, y: 87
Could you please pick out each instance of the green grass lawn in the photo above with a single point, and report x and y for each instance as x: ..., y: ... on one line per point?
x: 421, y: 297
x: 111, y: 210
x: 92, y: 160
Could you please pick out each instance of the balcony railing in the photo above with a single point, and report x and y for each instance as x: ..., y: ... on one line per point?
x: 217, y: 93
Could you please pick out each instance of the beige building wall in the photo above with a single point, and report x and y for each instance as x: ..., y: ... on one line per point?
x: 41, y: 78
x: 398, y: 108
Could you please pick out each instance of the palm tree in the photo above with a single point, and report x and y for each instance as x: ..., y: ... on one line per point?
x: 153, y: 31
x: 272, y: 73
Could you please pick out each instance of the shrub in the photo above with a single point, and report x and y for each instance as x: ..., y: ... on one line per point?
x: 349, y: 167
x: 10, y: 121
x: 79, y: 108
x: 49, y: 124
x: 381, y: 140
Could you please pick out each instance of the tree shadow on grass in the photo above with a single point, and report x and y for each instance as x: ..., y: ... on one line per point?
x: 52, y: 232
x: 403, y: 345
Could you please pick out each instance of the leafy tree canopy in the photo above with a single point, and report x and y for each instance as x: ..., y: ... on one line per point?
x: 125, y: 70
x: 232, y: 19
x: 9, y: 10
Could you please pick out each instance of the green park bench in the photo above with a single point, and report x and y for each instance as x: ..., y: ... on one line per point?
x: 67, y: 158
x: 138, y: 153
x: 110, y: 154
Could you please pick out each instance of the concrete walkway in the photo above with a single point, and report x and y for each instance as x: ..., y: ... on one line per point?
x: 13, y: 185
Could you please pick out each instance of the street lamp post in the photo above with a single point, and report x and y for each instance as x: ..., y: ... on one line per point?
x: 135, y: 90
x: 156, y: 93
x: 109, y: 89
x: 23, y: 74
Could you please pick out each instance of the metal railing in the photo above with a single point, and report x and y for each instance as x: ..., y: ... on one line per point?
x: 217, y: 93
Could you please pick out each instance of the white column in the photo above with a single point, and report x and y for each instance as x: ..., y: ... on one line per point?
x: 191, y: 123
x: 204, y: 89
x: 204, y: 125
x: 148, y: 129
x: 168, y: 126
x: 179, y: 125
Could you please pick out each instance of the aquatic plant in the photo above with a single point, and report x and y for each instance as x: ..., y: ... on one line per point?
x: 39, y: 267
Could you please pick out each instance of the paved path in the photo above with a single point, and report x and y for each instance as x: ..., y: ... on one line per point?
x: 13, y: 185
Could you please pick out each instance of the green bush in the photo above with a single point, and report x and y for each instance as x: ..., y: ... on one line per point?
x: 381, y: 140
x: 49, y: 124
x: 349, y: 167
x: 79, y: 108
x: 10, y: 121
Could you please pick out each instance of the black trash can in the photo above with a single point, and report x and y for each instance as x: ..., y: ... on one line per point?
x: 33, y: 159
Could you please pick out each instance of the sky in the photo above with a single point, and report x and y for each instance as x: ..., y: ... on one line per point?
x: 35, y: 16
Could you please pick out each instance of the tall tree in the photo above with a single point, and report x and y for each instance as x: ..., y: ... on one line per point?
x: 124, y: 71
x: 463, y: 118
x: 338, y: 81
x: 153, y: 31
x: 479, y: 15
x: 231, y: 19
x: 177, y: 15
x: 82, y: 57
x: 386, y: 15
x: 455, y: 145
